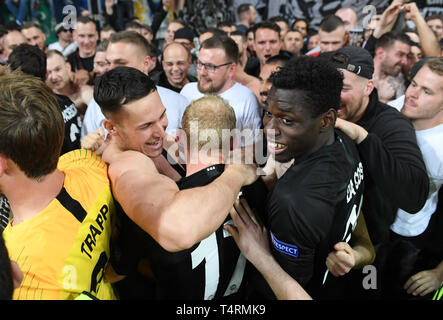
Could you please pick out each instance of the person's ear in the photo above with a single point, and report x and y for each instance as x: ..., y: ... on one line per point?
x: 147, y: 64
x: 370, y: 85
x: 328, y: 120
x: 111, y: 127
x: 380, y: 53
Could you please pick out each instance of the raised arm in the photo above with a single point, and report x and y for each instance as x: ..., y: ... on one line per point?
x: 428, y: 40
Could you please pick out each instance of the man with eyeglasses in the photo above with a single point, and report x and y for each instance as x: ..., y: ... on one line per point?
x: 216, y: 66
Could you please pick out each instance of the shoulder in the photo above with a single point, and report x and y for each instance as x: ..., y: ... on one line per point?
x: 130, y: 161
x: 170, y: 96
x: 386, y: 121
x: 397, y: 103
x: 82, y: 160
x: 190, y: 91
x: 239, y: 94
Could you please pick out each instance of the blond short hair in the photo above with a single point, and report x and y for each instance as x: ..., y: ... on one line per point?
x: 210, y: 113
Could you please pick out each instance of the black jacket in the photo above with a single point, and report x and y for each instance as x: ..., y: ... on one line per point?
x: 395, y: 174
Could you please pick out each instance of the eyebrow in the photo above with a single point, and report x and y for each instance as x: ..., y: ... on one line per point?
x: 119, y: 60
x: 151, y: 122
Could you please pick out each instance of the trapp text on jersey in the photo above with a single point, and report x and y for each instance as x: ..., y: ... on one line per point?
x: 95, y: 229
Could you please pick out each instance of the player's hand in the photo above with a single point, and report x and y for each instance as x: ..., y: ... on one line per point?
x: 423, y: 282
x: 111, y: 150
x: 342, y: 260
x: 250, y: 235
x: 411, y: 11
x: 94, y: 140
x: 352, y: 130
x: 388, y: 18
x: 241, y: 160
x: 80, y: 77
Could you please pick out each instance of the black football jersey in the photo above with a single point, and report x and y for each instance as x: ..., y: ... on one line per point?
x: 314, y: 205
x: 211, y: 269
x: 73, y: 124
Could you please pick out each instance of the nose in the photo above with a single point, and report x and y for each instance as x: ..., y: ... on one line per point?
x: 404, y: 60
x: 160, y: 127
x: 412, y: 92
x: 270, y: 128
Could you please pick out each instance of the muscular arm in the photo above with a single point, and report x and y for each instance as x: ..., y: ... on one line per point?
x: 428, y: 40
x: 175, y: 218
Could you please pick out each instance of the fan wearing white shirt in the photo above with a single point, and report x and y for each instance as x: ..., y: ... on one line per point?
x: 423, y: 105
x: 216, y: 66
x: 130, y: 49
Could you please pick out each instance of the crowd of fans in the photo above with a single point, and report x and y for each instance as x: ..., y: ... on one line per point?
x: 99, y: 124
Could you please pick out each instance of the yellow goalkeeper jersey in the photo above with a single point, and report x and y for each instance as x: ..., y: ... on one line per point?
x: 64, y: 249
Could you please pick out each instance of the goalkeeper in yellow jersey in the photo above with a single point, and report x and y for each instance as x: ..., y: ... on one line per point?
x: 63, y: 210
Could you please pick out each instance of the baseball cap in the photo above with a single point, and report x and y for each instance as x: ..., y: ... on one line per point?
x: 354, y: 59
x: 59, y: 27
x: 184, y: 33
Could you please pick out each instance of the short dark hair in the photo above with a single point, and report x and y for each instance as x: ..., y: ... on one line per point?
x: 388, y: 39
x: 225, y: 43
x: 225, y: 24
x: 31, y: 24
x: 133, y: 24
x: 282, y: 57
x: 215, y: 31
x: 279, y: 19
x: 300, y: 19
x: 239, y: 33
x: 29, y: 59
x: 134, y: 38
x: 267, y: 25
x: 120, y: 86
x: 85, y: 20
x: 244, y: 7
x: 331, y: 23
x: 319, y: 81
x: 434, y: 17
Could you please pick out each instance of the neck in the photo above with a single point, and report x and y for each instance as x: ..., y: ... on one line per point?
x: 63, y: 43
x: 68, y: 90
x: 325, y: 139
x: 180, y: 85
x: 27, y: 197
x: 424, y: 124
x: 85, y: 55
x: 200, y: 163
x: 228, y: 85
x: 378, y: 72
x: 361, y: 111
x: 245, y: 22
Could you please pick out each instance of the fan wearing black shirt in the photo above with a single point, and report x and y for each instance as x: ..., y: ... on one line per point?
x: 86, y: 36
x: 316, y: 203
